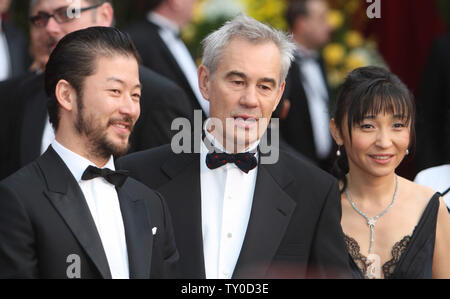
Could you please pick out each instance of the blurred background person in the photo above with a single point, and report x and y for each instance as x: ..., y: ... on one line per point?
x: 13, y: 47
x: 162, y: 50
x: 304, y: 110
x: 438, y: 179
x: 433, y: 107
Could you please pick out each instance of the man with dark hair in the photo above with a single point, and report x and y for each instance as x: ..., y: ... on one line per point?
x: 162, y: 100
x: 69, y: 214
x: 304, y: 109
x: 157, y: 40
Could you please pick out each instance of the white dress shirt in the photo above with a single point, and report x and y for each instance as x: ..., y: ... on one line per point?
x: 48, y: 136
x: 226, y: 203
x: 5, y: 65
x: 317, y: 97
x: 169, y: 32
x: 103, y: 203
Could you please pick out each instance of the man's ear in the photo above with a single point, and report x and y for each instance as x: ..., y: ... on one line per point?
x: 65, y: 95
x: 105, y: 15
x: 336, y: 133
x: 204, y: 81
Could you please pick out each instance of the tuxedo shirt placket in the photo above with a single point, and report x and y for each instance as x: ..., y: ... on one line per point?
x: 103, y: 202
x: 226, y: 200
x: 5, y: 65
x: 317, y: 97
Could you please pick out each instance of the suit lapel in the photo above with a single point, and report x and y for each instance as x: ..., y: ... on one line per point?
x: 183, y: 196
x: 271, y: 213
x: 68, y: 199
x: 137, y: 231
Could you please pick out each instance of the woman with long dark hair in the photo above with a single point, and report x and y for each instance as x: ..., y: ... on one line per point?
x: 393, y: 227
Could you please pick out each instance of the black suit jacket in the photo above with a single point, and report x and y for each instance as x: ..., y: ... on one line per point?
x: 10, y: 112
x: 161, y: 102
x: 296, y: 128
x: 44, y: 219
x: 433, y: 108
x: 18, y: 49
x: 294, y: 227
x: 156, y: 56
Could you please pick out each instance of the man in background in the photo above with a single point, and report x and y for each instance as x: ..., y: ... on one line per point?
x: 14, y: 58
x: 158, y: 42
x: 304, y: 110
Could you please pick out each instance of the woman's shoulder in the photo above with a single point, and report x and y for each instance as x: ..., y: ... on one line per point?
x: 421, y: 194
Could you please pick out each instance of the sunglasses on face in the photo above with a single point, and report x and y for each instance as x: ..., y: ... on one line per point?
x: 61, y: 15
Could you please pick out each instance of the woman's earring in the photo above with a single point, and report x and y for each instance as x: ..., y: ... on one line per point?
x: 338, y: 152
x: 407, y: 152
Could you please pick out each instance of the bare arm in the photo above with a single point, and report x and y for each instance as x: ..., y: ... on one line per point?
x: 441, y: 258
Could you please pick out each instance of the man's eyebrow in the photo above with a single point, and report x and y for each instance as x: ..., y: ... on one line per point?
x: 236, y: 73
x: 268, y: 80
x: 139, y: 85
x: 244, y: 76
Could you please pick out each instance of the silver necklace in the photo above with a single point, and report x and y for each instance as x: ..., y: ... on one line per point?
x: 371, y: 221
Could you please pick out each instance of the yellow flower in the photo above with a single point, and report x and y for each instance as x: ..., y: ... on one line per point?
x: 198, y: 14
x: 335, y: 19
x: 335, y: 78
x: 354, y: 39
x: 352, y: 6
x: 333, y: 54
x: 355, y: 60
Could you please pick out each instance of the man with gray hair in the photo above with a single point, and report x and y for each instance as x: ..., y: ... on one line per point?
x: 234, y: 214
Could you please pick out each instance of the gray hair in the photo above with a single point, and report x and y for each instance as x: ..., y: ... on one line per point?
x: 249, y: 29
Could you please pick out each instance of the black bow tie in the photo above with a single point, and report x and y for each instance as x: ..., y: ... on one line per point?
x: 117, y: 178
x: 245, y: 161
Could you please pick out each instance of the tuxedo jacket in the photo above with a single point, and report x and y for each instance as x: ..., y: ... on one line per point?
x: 45, y: 220
x: 157, y: 56
x: 294, y: 227
x: 161, y: 102
x: 10, y: 113
x: 433, y: 108
x: 296, y: 128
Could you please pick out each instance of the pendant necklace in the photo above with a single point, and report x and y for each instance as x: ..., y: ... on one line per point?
x: 371, y: 221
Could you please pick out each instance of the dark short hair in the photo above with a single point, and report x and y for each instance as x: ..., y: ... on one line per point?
x: 295, y: 9
x: 74, y: 58
x: 370, y: 91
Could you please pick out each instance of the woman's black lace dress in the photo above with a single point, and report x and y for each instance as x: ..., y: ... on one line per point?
x: 412, y: 257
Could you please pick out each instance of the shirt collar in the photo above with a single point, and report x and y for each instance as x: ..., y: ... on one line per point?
x: 76, y: 163
x: 306, y: 53
x: 163, y: 22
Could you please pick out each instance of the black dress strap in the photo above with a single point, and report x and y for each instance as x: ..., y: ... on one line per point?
x: 417, y: 259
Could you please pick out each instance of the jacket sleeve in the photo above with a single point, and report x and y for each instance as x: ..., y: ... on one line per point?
x: 330, y: 258
x: 17, y: 255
